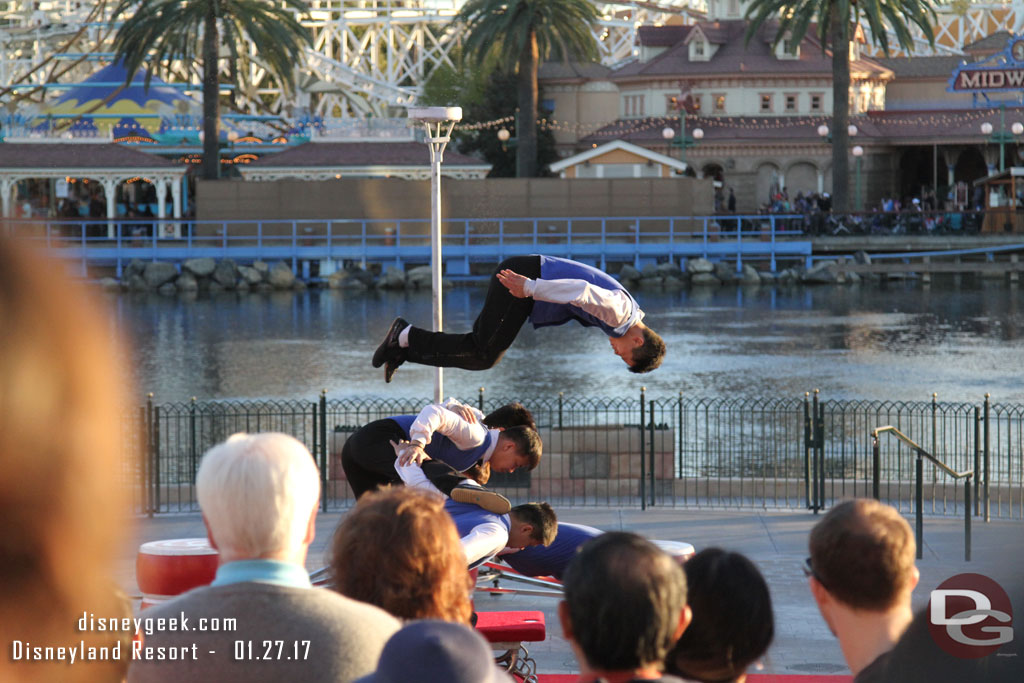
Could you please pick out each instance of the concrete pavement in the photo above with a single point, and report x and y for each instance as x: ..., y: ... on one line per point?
x: 775, y: 541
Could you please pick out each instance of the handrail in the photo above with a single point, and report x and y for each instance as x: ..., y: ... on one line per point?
x: 919, y: 485
x: 921, y: 451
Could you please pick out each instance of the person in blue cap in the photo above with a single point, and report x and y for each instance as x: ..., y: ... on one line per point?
x: 547, y: 291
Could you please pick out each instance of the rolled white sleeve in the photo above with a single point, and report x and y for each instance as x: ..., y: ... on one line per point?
x: 484, y: 541
x: 435, y: 418
x: 613, y: 307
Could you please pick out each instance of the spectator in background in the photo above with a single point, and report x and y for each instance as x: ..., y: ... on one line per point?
x: 398, y: 549
x: 732, y: 623
x: 437, y: 652
x: 622, y: 579
x: 259, y: 496
x: 861, y: 573
x: 63, y: 508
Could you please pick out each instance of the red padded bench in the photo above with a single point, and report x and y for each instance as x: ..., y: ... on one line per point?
x: 507, y: 631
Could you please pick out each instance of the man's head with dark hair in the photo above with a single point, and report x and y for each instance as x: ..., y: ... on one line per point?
x: 532, y: 524
x: 649, y: 355
x: 517, y: 447
x: 862, y: 553
x: 510, y: 415
x: 623, y: 580
x: 732, y: 618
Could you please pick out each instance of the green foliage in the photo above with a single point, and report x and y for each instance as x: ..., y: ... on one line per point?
x: 502, y: 28
x: 159, y: 32
x: 795, y: 16
x: 497, y: 100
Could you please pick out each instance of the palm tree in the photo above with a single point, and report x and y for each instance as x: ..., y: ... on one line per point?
x: 159, y: 32
x: 521, y: 33
x: 835, y: 18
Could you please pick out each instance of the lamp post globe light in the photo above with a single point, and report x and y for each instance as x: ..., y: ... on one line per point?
x: 438, y: 122
x: 823, y: 130
x: 1002, y: 136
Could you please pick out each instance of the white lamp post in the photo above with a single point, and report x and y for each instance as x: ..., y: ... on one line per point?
x: 858, y: 152
x: 438, y: 122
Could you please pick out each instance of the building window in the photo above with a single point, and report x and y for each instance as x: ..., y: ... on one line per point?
x: 719, y: 100
x: 734, y: 8
x: 696, y: 103
x: 791, y: 103
x: 698, y: 48
x: 634, y: 105
x: 766, y: 103
x: 816, y: 100
x: 671, y: 103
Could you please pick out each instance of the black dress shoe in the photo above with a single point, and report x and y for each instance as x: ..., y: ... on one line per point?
x: 390, y: 345
x: 395, y: 358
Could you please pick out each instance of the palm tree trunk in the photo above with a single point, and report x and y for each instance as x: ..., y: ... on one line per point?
x: 211, y: 95
x: 526, y: 153
x: 840, y: 39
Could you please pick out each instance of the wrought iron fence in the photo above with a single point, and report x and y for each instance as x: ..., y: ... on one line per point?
x: 786, y: 453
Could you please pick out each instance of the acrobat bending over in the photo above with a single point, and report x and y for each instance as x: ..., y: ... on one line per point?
x: 483, y: 533
x: 545, y: 290
x: 445, y: 444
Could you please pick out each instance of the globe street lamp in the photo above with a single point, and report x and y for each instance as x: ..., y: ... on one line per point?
x: 438, y: 122
x: 508, y: 140
x: 682, y: 141
x: 1002, y: 136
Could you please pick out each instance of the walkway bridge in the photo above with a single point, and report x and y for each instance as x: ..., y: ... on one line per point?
x: 471, y: 247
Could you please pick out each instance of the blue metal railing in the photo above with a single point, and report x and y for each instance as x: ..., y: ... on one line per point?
x: 638, y: 240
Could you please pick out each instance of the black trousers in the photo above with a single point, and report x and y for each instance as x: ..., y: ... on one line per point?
x: 493, y: 332
x: 369, y: 460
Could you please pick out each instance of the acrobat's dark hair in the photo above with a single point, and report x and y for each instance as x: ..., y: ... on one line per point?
x: 541, y: 517
x: 528, y: 442
x: 510, y: 415
x: 648, y: 355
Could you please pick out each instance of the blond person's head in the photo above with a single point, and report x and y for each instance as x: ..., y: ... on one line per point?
x: 399, y: 550
x: 63, y: 462
x: 258, y: 494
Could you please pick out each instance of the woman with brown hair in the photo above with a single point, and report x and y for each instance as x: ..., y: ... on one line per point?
x: 398, y: 549
x: 63, y: 469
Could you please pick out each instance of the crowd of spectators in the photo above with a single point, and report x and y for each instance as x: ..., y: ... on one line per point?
x: 399, y: 609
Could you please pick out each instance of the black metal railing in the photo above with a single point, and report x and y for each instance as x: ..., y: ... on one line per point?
x: 642, y: 451
x: 921, y: 456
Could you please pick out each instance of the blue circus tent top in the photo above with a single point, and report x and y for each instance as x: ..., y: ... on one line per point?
x: 108, y: 79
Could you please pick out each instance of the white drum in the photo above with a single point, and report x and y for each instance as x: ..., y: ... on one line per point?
x: 677, y: 549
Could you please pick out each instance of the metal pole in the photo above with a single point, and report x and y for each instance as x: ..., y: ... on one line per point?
x: 985, y: 460
x: 643, y: 462
x: 918, y: 504
x: 876, y: 467
x: 437, y: 142
x: 860, y: 203
x: 967, y: 520
x: 1002, y: 137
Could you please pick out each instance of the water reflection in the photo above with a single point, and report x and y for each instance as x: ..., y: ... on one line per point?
x: 901, y: 342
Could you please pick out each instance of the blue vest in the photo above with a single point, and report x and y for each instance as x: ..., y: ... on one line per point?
x: 546, y: 313
x: 467, y: 515
x: 551, y: 560
x: 441, y: 447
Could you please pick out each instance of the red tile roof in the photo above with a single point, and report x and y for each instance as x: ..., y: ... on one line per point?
x: 76, y: 155
x: 339, y: 154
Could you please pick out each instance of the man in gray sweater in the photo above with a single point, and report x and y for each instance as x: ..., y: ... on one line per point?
x: 260, y: 620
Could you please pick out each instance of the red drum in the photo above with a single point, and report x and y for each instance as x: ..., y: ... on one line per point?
x: 164, y: 569
x: 677, y: 549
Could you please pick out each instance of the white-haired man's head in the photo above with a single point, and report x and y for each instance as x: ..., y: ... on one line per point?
x: 259, y: 495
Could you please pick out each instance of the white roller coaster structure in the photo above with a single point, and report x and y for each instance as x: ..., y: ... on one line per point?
x: 368, y: 56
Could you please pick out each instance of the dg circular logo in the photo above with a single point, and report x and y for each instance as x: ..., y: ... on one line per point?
x: 970, y: 616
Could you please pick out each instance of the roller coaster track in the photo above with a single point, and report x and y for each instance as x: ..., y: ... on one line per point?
x: 371, y: 56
